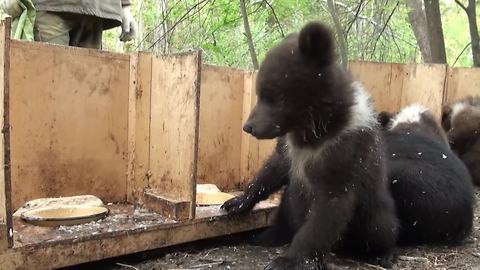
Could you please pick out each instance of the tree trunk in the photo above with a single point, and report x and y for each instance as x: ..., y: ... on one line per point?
x: 160, y: 31
x: 474, y: 36
x: 418, y: 22
x: 434, y: 26
x: 139, y: 24
x: 248, y: 34
x: 164, y: 8
x: 339, y: 30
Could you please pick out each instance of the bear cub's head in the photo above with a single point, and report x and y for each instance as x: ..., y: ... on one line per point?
x: 461, y: 121
x: 413, y: 118
x: 298, y: 78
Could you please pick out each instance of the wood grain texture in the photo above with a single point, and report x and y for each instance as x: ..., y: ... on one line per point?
x: 167, y: 207
x: 221, y: 105
x: 6, y: 229
x: 462, y: 82
x: 142, y: 126
x: 379, y: 80
x: 394, y: 86
x: 174, y: 126
x: 69, y: 115
x: 249, y: 145
x: 424, y: 84
x: 131, y: 127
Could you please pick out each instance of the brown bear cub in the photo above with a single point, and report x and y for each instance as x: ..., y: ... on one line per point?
x: 329, y: 156
x: 431, y: 186
x: 461, y: 121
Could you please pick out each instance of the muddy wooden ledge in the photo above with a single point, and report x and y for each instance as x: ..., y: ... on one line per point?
x: 47, y: 248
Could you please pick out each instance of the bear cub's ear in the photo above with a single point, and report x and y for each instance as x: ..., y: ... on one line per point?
x: 316, y: 41
x: 384, y: 118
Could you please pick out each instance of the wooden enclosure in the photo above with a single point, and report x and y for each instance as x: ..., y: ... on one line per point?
x: 140, y: 131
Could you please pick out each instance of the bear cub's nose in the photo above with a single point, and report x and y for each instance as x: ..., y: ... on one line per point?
x: 248, y: 128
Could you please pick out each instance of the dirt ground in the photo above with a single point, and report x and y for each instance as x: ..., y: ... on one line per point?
x: 232, y: 253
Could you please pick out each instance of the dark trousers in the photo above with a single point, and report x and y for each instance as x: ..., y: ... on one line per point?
x: 68, y: 29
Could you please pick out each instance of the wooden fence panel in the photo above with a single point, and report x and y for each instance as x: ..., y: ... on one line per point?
x: 69, y: 121
x: 221, y: 106
x: 462, y: 82
x: 174, y: 129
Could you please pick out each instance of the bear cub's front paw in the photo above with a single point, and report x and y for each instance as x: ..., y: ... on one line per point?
x: 238, y: 205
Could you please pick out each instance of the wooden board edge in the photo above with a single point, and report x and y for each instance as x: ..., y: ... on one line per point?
x: 444, y: 90
x: 193, y: 180
x: 143, y: 104
x: 176, y: 210
x: 249, y: 149
x: 6, y: 25
x: 131, y: 128
x: 35, y: 45
x: 448, y: 75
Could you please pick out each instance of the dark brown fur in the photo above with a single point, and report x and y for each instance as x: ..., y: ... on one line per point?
x: 336, y: 189
x: 430, y: 184
x: 463, y: 132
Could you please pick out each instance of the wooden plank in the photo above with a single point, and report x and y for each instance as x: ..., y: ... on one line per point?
x: 141, y: 167
x: 462, y: 82
x: 142, y: 125
x: 174, y: 126
x: 249, y: 145
x: 6, y: 231
x: 378, y: 81
x: 69, y: 119
x: 168, y: 207
x: 91, y: 245
x: 424, y: 84
x: 394, y: 86
x: 221, y: 104
x: 131, y: 127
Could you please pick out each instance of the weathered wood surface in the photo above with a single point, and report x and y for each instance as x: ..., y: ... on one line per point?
x: 379, y: 79
x: 167, y: 207
x: 462, y: 82
x: 174, y: 126
x: 124, y: 232
x: 249, y: 145
x: 69, y: 115
x: 424, y: 84
x: 221, y: 106
x: 394, y: 86
x: 132, y: 127
x: 5, y: 173
x: 142, y: 127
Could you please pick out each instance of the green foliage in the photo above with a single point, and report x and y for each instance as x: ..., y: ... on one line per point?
x: 378, y: 30
x: 456, y: 33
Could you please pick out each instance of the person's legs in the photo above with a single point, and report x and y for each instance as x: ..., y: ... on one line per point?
x: 88, y: 33
x: 52, y: 27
